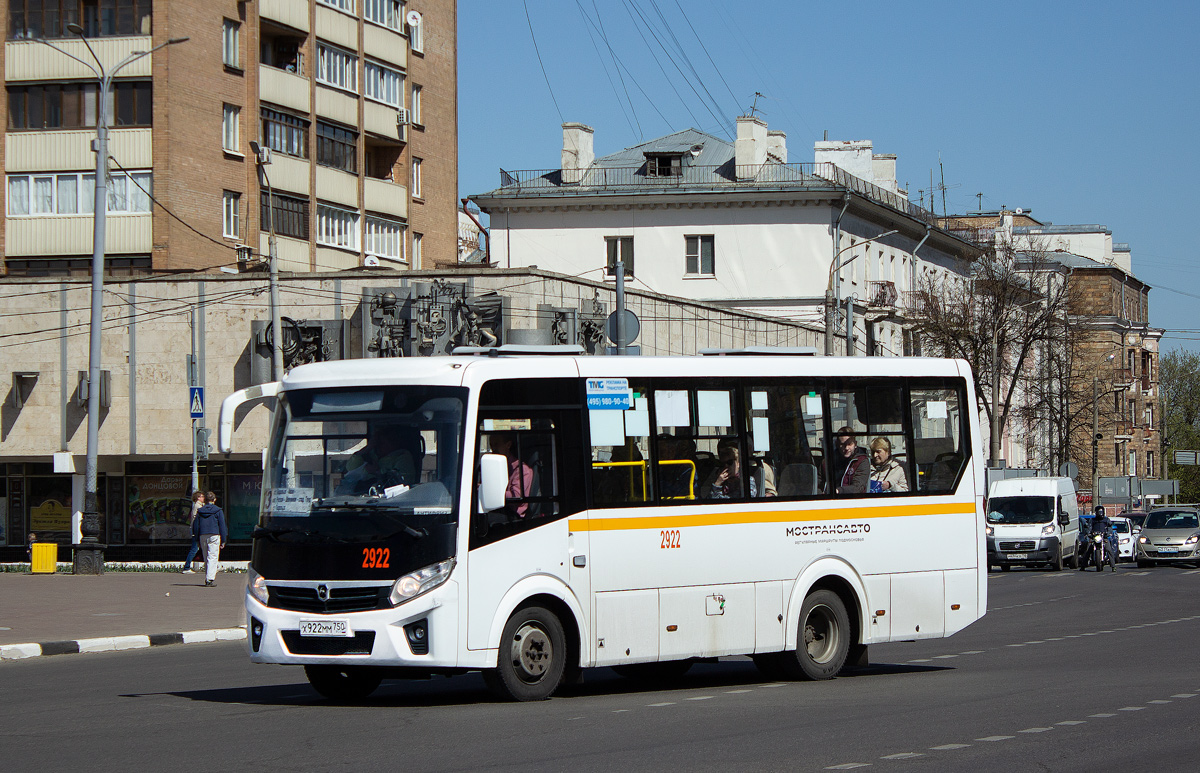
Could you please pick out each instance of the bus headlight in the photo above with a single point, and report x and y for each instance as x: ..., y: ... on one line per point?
x: 421, y: 581
x: 257, y: 585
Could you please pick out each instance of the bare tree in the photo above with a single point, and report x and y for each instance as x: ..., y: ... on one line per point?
x: 1007, y: 319
x: 1179, y: 396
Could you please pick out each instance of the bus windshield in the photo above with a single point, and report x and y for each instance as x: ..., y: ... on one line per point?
x: 1020, y: 510
x: 364, y: 464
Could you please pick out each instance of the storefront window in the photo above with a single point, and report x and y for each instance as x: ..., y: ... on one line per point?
x: 242, y: 510
x: 158, y: 507
x: 49, y: 502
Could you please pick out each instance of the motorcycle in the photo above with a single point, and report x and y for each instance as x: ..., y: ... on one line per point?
x: 1098, y: 551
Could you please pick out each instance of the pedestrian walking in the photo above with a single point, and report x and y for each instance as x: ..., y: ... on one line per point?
x: 210, y: 530
x: 197, y: 503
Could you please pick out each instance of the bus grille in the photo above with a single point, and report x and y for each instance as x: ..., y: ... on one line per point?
x: 359, y: 644
x: 1024, y: 545
x: 340, y: 599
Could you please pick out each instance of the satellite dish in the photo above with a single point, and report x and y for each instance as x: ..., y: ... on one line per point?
x: 413, y: 18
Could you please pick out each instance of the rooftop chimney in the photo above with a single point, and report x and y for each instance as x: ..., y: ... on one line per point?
x: 777, y: 145
x: 750, y: 150
x: 853, y: 156
x: 883, y: 171
x: 577, y: 153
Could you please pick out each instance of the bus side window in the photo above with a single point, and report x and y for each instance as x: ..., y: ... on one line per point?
x: 937, y: 439
x: 785, y: 427
x: 620, y: 453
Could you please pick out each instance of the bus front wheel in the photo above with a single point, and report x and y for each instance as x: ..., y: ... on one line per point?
x: 532, y: 658
x: 343, y: 683
x: 823, y: 639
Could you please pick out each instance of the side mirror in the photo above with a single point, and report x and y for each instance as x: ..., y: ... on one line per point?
x: 493, y: 481
x: 1064, y: 520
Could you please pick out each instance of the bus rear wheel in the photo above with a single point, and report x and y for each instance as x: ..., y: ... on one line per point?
x: 532, y: 658
x: 343, y: 683
x: 823, y: 638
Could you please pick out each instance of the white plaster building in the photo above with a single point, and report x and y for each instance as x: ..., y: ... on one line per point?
x: 730, y: 223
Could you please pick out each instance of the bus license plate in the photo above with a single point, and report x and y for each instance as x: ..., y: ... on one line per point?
x: 325, y: 628
x: 1017, y: 556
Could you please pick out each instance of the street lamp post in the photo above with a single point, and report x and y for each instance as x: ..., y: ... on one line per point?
x: 89, y: 556
x: 831, y: 298
x: 273, y: 266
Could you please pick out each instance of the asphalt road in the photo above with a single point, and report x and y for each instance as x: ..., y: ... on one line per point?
x: 1068, y: 671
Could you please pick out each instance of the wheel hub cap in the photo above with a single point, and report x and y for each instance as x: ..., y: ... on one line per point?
x: 532, y: 652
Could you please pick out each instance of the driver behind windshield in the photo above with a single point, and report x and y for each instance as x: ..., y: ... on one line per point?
x: 383, y: 461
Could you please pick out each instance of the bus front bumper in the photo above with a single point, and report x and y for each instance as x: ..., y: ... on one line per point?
x: 422, y: 633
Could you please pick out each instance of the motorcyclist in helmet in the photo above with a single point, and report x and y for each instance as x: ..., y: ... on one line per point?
x: 1101, y: 525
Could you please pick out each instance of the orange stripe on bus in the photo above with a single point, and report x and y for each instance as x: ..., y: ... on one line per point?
x: 776, y: 516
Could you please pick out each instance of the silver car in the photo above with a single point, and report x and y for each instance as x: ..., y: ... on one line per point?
x: 1169, y: 536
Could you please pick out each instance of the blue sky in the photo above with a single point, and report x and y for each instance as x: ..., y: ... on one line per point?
x: 1081, y: 112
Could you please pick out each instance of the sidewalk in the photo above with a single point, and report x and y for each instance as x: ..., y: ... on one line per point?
x: 116, y: 610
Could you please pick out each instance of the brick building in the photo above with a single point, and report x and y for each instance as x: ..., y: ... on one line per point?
x: 354, y: 103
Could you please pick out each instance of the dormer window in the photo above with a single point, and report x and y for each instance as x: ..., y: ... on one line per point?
x: 664, y: 164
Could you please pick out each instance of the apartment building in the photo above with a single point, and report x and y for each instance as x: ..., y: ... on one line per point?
x: 351, y: 104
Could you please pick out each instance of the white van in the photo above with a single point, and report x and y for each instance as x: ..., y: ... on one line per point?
x: 1032, y: 522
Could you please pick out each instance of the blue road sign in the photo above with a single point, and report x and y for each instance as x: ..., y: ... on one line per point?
x: 196, y: 401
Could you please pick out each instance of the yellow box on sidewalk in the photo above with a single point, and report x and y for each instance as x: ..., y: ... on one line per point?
x: 44, y: 557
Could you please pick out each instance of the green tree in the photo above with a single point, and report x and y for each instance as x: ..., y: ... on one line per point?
x: 1179, y: 407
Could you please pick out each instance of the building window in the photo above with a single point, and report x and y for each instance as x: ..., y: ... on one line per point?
x: 231, y: 44
x: 337, y: 227
x: 337, y: 68
x: 417, y: 241
x: 73, y: 105
x: 383, y: 238
x: 416, y: 177
x: 282, y: 52
x: 285, y: 133
x: 230, y: 120
x: 416, y: 33
x: 386, y: 13
x: 416, y: 106
x: 99, y: 18
x: 1149, y: 464
x: 337, y: 147
x: 231, y: 222
x: 623, y: 246
x: 74, y: 193
x: 664, y: 165
x: 290, y: 214
x: 700, y: 255
x: 383, y: 84
x: 341, y: 5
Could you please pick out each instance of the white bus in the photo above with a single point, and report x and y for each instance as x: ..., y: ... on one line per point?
x: 533, y: 515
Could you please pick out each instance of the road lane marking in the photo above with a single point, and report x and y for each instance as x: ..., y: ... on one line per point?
x: 1071, y: 722
x: 996, y: 738
x: 1090, y: 716
x: 973, y: 652
x: 901, y: 756
x: 921, y: 660
x: 1185, y: 695
x: 1036, y: 730
x: 1159, y: 703
x: 942, y: 657
x: 620, y: 711
x: 656, y: 705
x: 701, y: 698
x: 849, y: 766
x: 737, y: 692
x: 769, y: 686
x: 950, y: 746
x: 1131, y: 708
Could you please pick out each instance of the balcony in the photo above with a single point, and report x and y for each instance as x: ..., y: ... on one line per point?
x: 283, y: 88
x: 1122, y: 377
x: 882, y: 294
x: 27, y: 60
x: 293, y: 13
x: 71, y: 150
x: 72, y: 235
x: 385, y: 197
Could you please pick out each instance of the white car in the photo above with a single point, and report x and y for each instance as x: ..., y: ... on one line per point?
x: 1126, y: 546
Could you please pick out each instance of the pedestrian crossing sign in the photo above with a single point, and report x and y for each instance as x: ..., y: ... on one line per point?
x: 196, y: 401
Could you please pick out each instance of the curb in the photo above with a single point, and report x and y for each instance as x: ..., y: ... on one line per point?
x: 115, y: 643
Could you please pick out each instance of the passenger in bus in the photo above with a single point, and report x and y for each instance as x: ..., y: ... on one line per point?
x: 726, y: 481
x: 887, y: 474
x: 676, y: 468
x: 520, y: 475
x: 851, y: 468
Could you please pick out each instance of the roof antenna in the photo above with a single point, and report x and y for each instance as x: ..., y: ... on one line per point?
x: 754, y: 105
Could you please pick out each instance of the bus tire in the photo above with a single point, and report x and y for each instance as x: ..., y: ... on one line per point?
x: 663, y: 671
x: 822, y: 638
x: 343, y: 683
x: 532, y: 657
